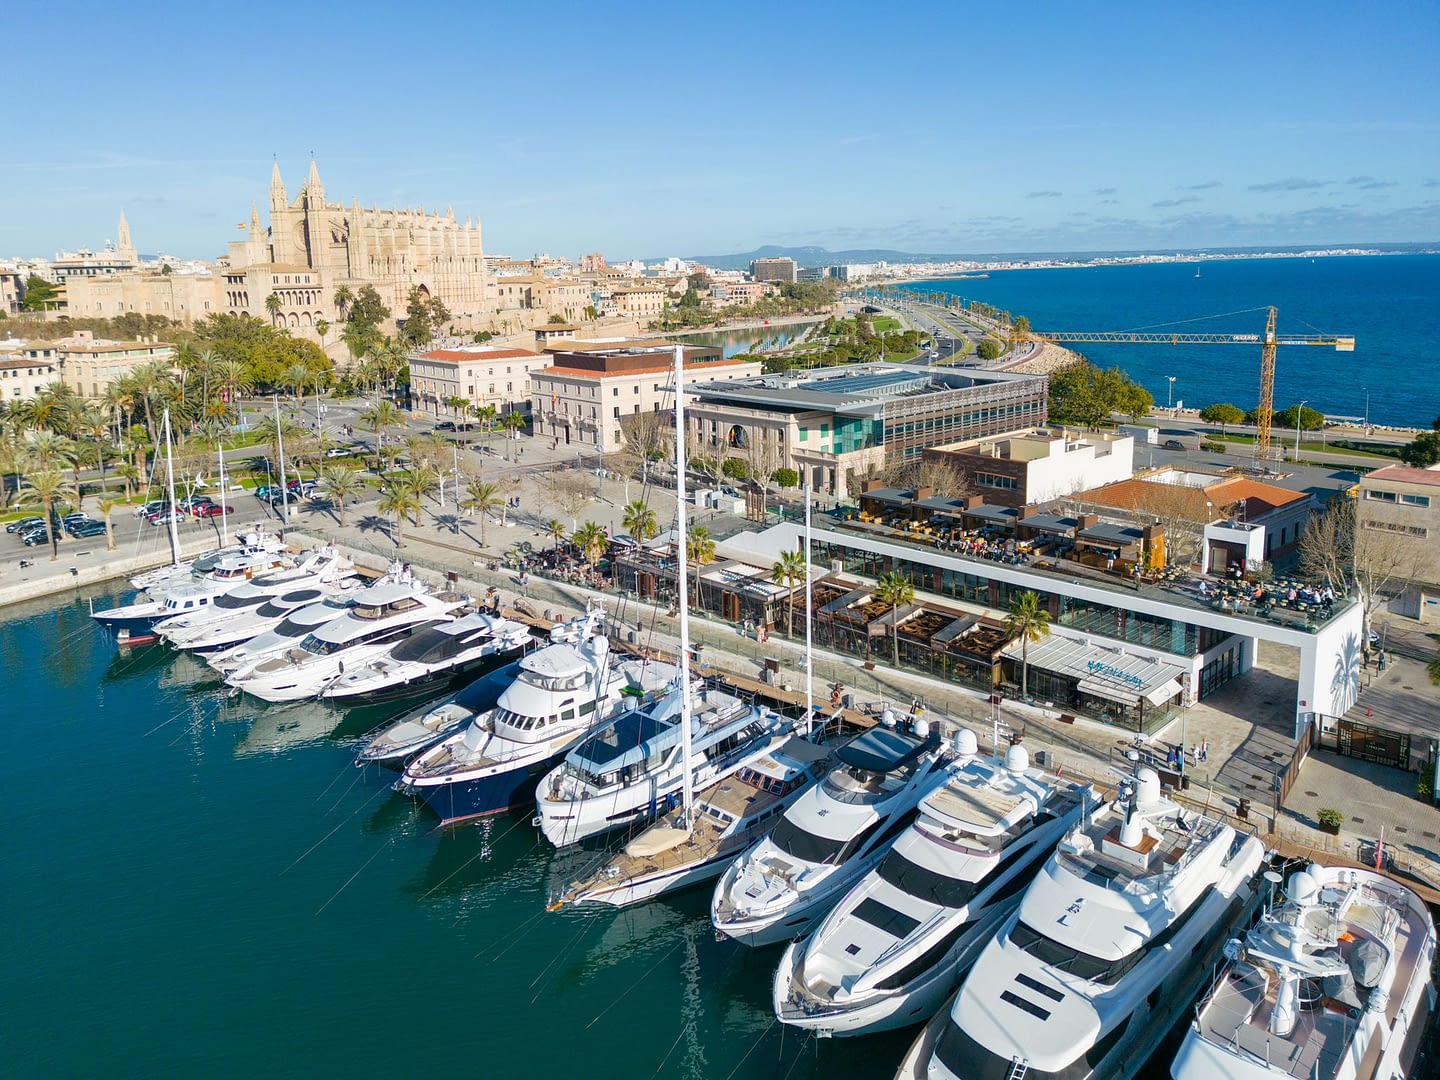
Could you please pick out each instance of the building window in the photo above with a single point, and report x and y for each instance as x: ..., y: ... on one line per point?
x: 804, y: 434
x: 1415, y: 500
x: 617, y: 412
x: 1381, y: 496
x: 615, y: 391
x: 994, y: 480
x: 1395, y: 527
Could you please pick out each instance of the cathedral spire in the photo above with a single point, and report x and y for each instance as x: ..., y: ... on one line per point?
x: 254, y: 222
x: 277, y: 187
x: 122, y: 237
x: 313, y: 184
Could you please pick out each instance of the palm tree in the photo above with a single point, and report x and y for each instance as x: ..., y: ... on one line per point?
x: 486, y: 414
x: 511, y: 423
x: 273, y: 305
x: 555, y: 529
x: 106, y: 505
x: 322, y: 327
x: 128, y: 472
x: 340, y: 482
x: 233, y: 377
x: 592, y: 541
x: 699, y: 549
x: 381, y: 415
x: 399, y: 500
x: 1433, y: 669
x: 897, y: 590
x: 297, y: 377
x: 344, y: 297
x: 483, y: 497
x: 47, y: 486
x: 639, y: 520
x: 1028, y: 620
x: 789, y: 572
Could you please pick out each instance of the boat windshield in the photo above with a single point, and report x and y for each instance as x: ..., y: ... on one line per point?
x: 806, y: 846
x: 230, y: 601
x: 923, y: 883
x: 575, y: 681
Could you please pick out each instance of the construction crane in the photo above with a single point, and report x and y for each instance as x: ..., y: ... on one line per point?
x: 1267, y: 342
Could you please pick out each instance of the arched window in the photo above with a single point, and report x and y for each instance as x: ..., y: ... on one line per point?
x: 737, y: 439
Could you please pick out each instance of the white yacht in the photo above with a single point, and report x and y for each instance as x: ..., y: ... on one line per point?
x: 729, y: 816
x: 1110, y: 944
x: 1336, y: 984
x: 560, y: 694
x: 378, y: 618
x: 217, y: 624
x: 174, y: 575
x: 442, y: 653
x: 294, y: 627
x: 136, y: 621
x: 833, y: 834
x: 891, y: 952
x: 629, y: 769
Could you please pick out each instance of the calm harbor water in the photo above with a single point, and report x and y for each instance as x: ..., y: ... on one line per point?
x: 196, y: 884
x: 1386, y: 302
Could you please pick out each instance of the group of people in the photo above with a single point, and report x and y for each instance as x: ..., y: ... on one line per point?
x: 1176, y: 757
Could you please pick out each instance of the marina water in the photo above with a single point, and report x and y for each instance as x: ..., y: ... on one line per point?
x: 1387, y: 302
x: 204, y: 885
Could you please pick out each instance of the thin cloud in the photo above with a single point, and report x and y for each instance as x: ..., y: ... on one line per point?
x: 1167, y: 204
x: 1369, y: 183
x: 1431, y: 183
x: 1044, y: 195
x: 1103, y: 191
x: 1291, y: 183
x: 1206, y: 186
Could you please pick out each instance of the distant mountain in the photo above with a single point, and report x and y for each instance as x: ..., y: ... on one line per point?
x: 819, y: 256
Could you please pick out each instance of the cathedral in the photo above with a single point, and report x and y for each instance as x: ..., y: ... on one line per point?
x: 312, y: 248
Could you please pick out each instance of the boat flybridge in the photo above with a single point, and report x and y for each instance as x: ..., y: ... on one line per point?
x: 1111, y: 942
x: 1334, y: 984
x: 445, y: 652
x: 729, y: 816
x: 897, y: 945
x: 833, y: 833
x: 173, y: 576
x: 560, y: 693
x: 627, y: 770
x: 378, y: 618
x: 217, y: 624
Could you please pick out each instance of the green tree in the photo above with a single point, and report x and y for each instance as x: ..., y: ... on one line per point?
x: 591, y: 541
x: 47, y: 486
x: 399, y: 499
x: 340, y: 482
x: 273, y: 306
x: 380, y: 417
x: 1223, y: 413
x: 1433, y: 669
x: 989, y: 349
x: 512, y: 422
x: 735, y: 468
x: 1309, y: 419
x: 481, y: 497
x: 639, y: 521
x: 789, y: 573
x: 1424, y: 450
x: 1028, y: 620
x: 897, y: 590
x: 555, y: 529
x: 366, y: 309
x: 107, y: 505
x: 40, y: 295
x: 786, y: 477
x: 700, y: 550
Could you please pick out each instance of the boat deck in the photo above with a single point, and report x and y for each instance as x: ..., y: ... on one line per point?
x: 1239, y: 1011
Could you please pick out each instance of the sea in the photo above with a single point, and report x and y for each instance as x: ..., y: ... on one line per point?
x: 196, y: 885
x: 1387, y: 302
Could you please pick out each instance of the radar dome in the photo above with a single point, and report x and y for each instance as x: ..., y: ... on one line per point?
x: 1017, y: 758
x: 887, y: 718
x: 922, y: 729
x: 965, y: 743
x: 1303, y: 887
x: 1147, y: 790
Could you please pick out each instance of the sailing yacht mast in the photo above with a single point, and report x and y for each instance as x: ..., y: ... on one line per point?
x: 280, y: 452
x: 224, y: 528
x: 170, y: 491
x: 809, y: 623
x: 682, y: 582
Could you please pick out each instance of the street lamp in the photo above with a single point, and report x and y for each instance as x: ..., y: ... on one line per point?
x: 1299, y: 419
x: 1367, y: 410
x: 1170, y: 398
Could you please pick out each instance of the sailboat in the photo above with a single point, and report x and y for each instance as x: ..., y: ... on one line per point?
x: 1197, y: 271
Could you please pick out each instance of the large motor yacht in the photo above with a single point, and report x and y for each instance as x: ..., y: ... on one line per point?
x: 294, y: 627
x: 1111, y: 942
x: 379, y: 617
x: 560, y: 693
x: 833, y: 834
x: 1335, y: 984
x: 729, y: 816
x: 443, y: 653
x: 891, y: 952
x: 172, y: 576
x: 628, y: 770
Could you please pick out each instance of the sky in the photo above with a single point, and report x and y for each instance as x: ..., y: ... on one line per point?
x: 646, y: 130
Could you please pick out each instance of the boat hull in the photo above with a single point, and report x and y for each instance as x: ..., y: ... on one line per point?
x: 464, y: 798
x: 426, y: 682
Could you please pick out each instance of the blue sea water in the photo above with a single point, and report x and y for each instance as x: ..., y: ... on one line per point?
x: 201, y: 886
x: 1391, y: 304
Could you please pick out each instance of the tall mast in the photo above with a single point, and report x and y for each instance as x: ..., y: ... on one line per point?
x: 170, y: 492
x: 809, y: 623
x: 682, y: 583
x: 280, y: 448
x: 224, y: 527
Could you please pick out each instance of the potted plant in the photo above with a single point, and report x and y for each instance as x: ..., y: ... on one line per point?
x: 1329, y: 819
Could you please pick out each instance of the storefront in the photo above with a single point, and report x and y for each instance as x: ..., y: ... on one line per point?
x: 1137, y: 693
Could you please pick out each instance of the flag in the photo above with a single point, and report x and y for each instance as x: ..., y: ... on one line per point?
x: 242, y: 226
x: 1380, y: 850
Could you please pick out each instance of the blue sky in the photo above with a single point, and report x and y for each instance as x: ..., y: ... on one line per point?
x: 645, y: 129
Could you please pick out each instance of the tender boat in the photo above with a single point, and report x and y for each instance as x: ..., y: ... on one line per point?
x: 426, y: 725
x: 1336, y: 984
x: 444, y: 653
x: 234, y: 616
x: 1111, y: 943
x: 560, y: 693
x: 729, y: 816
x: 897, y: 945
x: 626, y: 771
x: 379, y: 617
x: 832, y: 835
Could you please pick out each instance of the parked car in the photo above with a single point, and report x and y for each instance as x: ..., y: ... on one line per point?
x: 164, y: 517
x: 85, y: 529
x: 209, y: 510
x: 190, y: 502
x: 23, y: 524
x: 303, y: 488
x: 264, y: 491
x: 38, y: 535
x: 340, y: 451
x: 1173, y: 444
x: 154, y: 506
x: 38, y: 528
x: 75, y: 521
x: 445, y: 425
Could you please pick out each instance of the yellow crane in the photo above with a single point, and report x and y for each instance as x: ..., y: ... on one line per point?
x: 1267, y: 342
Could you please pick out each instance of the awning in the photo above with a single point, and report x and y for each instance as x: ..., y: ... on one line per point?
x: 1103, y: 690
x: 1163, y: 692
